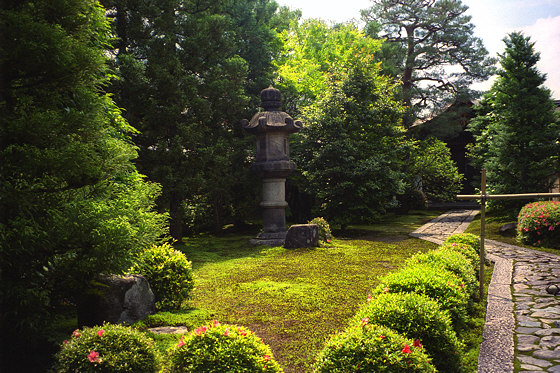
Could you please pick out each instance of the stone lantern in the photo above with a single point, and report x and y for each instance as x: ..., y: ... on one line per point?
x: 272, y: 128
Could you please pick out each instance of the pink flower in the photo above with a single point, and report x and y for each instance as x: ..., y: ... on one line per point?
x: 100, y: 332
x: 365, y: 321
x: 181, y: 343
x: 94, y: 357
x: 76, y: 333
x: 66, y: 342
x: 241, y: 331
x: 417, y: 343
x: 226, y: 333
x: 551, y: 228
x: 386, y: 290
x: 369, y: 298
x: 406, y: 349
x: 381, y: 336
x: 215, y: 323
x: 266, y: 357
x: 201, y: 330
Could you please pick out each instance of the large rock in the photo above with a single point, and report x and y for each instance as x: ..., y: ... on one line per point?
x: 302, y: 235
x: 116, y: 299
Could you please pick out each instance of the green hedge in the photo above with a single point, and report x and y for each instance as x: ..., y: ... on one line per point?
x: 538, y: 224
x: 419, y: 318
x: 372, y: 348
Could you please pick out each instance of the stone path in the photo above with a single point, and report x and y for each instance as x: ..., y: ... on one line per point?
x: 519, y: 307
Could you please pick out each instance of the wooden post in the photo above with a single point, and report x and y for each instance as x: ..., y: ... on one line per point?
x: 482, y: 253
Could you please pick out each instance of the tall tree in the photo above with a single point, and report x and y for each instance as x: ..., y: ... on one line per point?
x: 431, y: 49
x: 72, y: 204
x: 189, y: 71
x: 517, y: 129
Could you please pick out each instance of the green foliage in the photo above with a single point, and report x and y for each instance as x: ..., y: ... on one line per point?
x: 107, y: 348
x: 466, y: 250
x: 325, y: 234
x: 372, y: 348
x: 469, y: 239
x: 72, y: 202
x: 538, y: 224
x: 440, y: 285
x: 453, y: 261
x: 423, y: 37
x: 412, y: 199
x: 419, y: 318
x: 516, y: 128
x: 169, y: 273
x: 430, y: 163
x: 221, y: 348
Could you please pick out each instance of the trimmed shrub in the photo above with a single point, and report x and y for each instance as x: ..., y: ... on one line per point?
x: 453, y: 261
x: 221, y: 348
x: 440, y: 285
x: 467, y: 238
x: 419, y: 318
x: 325, y: 234
x: 372, y: 348
x: 538, y: 224
x: 107, y: 348
x: 466, y: 250
x: 169, y: 273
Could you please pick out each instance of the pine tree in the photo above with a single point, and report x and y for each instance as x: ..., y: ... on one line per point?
x: 516, y: 129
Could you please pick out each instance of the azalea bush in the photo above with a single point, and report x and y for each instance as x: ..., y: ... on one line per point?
x: 465, y: 238
x: 439, y: 284
x: 325, y: 234
x: 466, y: 250
x: 221, y: 348
x: 372, y: 348
x: 538, y: 224
x: 453, y: 261
x: 107, y: 348
x: 169, y: 273
x: 419, y: 318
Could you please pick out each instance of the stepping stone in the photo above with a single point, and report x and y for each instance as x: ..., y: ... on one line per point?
x: 169, y: 330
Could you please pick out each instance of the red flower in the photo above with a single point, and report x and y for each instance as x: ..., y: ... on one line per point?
x: 369, y: 298
x: 266, y: 357
x: 417, y: 343
x: 76, y: 333
x: 406, y: 349
x: 365, y: 321
x: 215, y: 323
x: 94, y: 357
x: 381, y: 336
x: 100, y: 332
x: 226, y: 333
x: 66, y: 342
x: 241, y: 331
x: 201, y: 330
x: 181, y: 343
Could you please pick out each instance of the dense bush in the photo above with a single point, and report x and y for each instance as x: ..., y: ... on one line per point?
x: 467, y: 238
x: 221, y: 348
x: 325, y: 234
x: 419, y: 318
x: 466, y: 250
x: 453, y: 261
x: 412, y: 199
x: 169, y: 273
x: 538, y: 224
x: 441, y: 285
x: 372, y: 348
x: 108, y: 348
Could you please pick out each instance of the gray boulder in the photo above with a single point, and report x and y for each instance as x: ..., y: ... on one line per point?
x: 116, y: 299
x: 302, y: 235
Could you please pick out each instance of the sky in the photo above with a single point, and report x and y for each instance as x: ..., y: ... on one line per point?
x: 493, y: 20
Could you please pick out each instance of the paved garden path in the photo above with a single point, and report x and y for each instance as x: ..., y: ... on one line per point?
x: 519, y: 307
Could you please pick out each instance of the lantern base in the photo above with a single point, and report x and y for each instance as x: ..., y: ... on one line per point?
x: 269, y: 239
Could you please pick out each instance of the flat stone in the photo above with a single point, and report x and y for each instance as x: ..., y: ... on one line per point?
x: 544, y: 332
x: 169, y: 330
x: 524, y: 330
x: 526, y: 347
x: 550, y: 341
x: 530, y: 368
x: 546, y: 354
x: 532, y: 361
x: 554, y: 369
x: 527, y: 339
x: 529, y: 324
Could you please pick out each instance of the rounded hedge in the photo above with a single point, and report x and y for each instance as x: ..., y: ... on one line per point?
x: 221, y: 348
x: 169, y: 273
x: 538, y: 224
x: 107, y: 348
x: 325, y: 234
x: 453, y: 261
x: 464, y: 249
x: 419, y: 318
x: 466, y: 238
x: 372, y: 348
x: 438, y: 284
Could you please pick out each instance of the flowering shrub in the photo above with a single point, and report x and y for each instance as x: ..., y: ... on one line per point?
x: 169, y: 273
x: 419, y: 318
x: 466, y: 238
x: 538, y: 224
x: 466, y: 250
x: 325, y: 234
x: 221, y: 348
x: 108, y: 348
x: 453, y: 261
x: 439, y: 284
x: 372, y: 348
